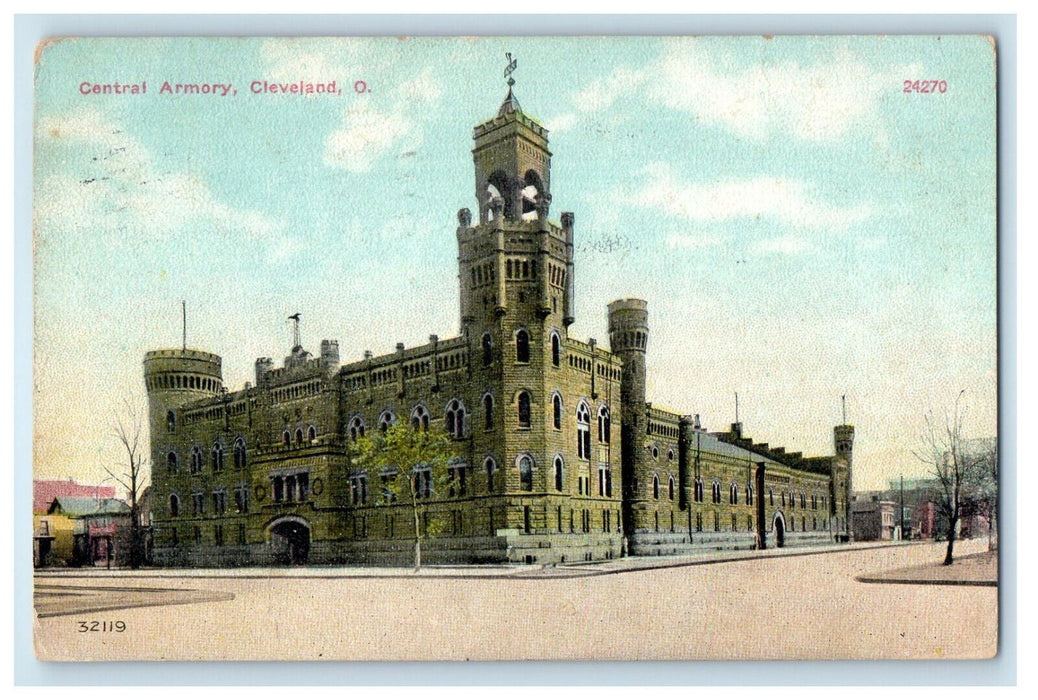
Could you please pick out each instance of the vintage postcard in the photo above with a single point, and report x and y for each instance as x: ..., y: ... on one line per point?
x: 515, y: 348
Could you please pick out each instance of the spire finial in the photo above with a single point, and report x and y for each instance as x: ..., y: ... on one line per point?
x: 295, y: 331
x: 512, y: 63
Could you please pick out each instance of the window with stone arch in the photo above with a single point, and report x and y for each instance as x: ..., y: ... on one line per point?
x: 299, y: 437
x: 217, y: 456
x: 488, y: 350
x: 556, y: 411
x: 603, y: 425
x: 698, y: 490
x: 583, y: 431
x: 454, y: 419
x: 490, y: 468
x: 488, y: 412
x: 239, y: 453
x: 526, y: 473
x: 749, y: 494
x: 171, y: 462
x: 386, y: 420
x: 311, y: 433
x: 556, y: 349
x: 771, y: 496
x: 524, y: 409
x: 171, y: 421
x: 286, y: 438
x: 656, y: 487
x: 522, y: 346
x: 557, y: 469
x: 716, y: 491
x: 356, y: 428
x: 420, y: 418
x: 174, y: 505
x: 733, y: 494
x: 670, y: 488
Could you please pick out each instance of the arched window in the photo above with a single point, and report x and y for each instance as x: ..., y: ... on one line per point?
x: 419, y: 418
x: 299, y: 436
x: 670, y: 488
x: 522, y: 346
x: 488, y: 412
x: 524, y: 409
x: 699, y: 489
x: 803, y: 502
x: 558, y: 472
x: 749, y: 494
x: 356, y: 428
x: 716, y: 492
x: 583, y: 431
x: 603, y: 425
x: 526, y: 473
x: 385, y: 420
x: 239, y: 453
x: 488, y: 350
x: 171, y: 462
x: 556, y: 349
x: 733, y: 494
x: 454, y: 419
x: 174, y: 505
x: 311, y: 433
x: 656, y: 486
x: 171, y: 421
x: 556, y: 411
x: 217, y: 455
x: 490, y: 467
x: 286, y: 438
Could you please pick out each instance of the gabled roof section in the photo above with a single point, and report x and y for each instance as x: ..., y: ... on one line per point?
x: 75, y: 507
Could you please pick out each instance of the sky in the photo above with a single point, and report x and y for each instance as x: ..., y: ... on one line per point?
x: 801, y: 227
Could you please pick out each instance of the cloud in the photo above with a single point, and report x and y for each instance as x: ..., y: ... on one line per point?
x: 368, y: 131
x: 788, y: 202
x: 112, y: 185
x: 684, y: 241
x: 823, y: 100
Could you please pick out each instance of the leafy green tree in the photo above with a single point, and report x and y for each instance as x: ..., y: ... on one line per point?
x: 413, y: 464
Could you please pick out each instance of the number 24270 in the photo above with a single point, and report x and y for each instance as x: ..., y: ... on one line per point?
x: 926, y: 87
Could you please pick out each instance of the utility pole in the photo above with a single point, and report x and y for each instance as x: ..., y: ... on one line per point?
x: 902, y: 506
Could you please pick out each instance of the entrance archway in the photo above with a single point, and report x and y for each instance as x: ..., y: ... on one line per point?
x: 290, y: 541
x: 780, y: 531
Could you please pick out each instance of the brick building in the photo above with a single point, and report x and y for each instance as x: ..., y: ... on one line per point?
x: 560, y: 458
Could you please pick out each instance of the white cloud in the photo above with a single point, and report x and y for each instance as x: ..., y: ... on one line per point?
x: 789, y: 245
x: 368, y: 131
x: 561, y: 122
x: 684, y: 241
x: 820, y: 101
x: 789, y: 202
x: 117, y: 188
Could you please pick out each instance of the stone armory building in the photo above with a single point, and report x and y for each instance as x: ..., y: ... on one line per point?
x: 560, y: 458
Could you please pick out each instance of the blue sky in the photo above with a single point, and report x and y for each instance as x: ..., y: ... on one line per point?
x: 800, y: 226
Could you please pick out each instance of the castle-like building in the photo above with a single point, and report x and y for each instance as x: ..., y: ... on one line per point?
x: 560, y: 458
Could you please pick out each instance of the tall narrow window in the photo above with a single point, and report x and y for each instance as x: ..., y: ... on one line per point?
x: 171, y: 462
x: 311, y: 433
x: 239, y: 453
x: 490, y: 467
x: 522, y: 346
x: 556, y: 411
x: 558, y: 477
x: 217, y: 455
x: 556, y: 349
x: 171, y: 421
x: 670, y: 488
x: 603, y: 425
x: 356, y: 428
x: 488, y: 412
x: 524, y: 409
x: 488, y: 350
x: 656, y: 486
x: 583, y: 431
x: 526, y: 473
x: 454, y: 419
x: 299, y: 436
x: 174, y: 505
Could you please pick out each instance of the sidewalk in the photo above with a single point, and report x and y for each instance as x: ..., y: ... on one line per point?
x: 515, y: 571
x: 980, y: 569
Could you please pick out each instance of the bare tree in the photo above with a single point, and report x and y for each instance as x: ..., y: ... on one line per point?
x: 986, y: 452
x: 953, y: 465
x: 131, y: 474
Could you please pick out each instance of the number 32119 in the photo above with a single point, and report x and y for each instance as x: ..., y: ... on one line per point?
x: 101, y: 626
x: 926, y: 87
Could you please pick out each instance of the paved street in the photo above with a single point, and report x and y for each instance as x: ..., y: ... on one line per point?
x: 803, y: 606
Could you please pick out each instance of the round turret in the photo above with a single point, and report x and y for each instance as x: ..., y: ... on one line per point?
x: 628, y: 338
x: 176, y: 377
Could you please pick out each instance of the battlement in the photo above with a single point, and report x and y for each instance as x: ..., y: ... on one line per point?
x: 422, y: 360
x: 517, y: 120
x: 190, y: 370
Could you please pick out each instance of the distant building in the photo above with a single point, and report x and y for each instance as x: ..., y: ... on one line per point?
x: 88, y: 531
x: 48, y: 548
x: 874, y: 518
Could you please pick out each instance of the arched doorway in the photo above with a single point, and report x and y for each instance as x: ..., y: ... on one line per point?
x: 290, y: 541
x: 780, y: 531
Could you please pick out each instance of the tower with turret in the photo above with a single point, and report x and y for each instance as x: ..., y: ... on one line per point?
x: 174, y: 378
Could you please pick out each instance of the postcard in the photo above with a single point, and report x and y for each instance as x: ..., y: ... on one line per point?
x: 540, y: 348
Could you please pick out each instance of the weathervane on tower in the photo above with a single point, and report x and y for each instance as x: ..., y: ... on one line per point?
x: 509, y: 69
